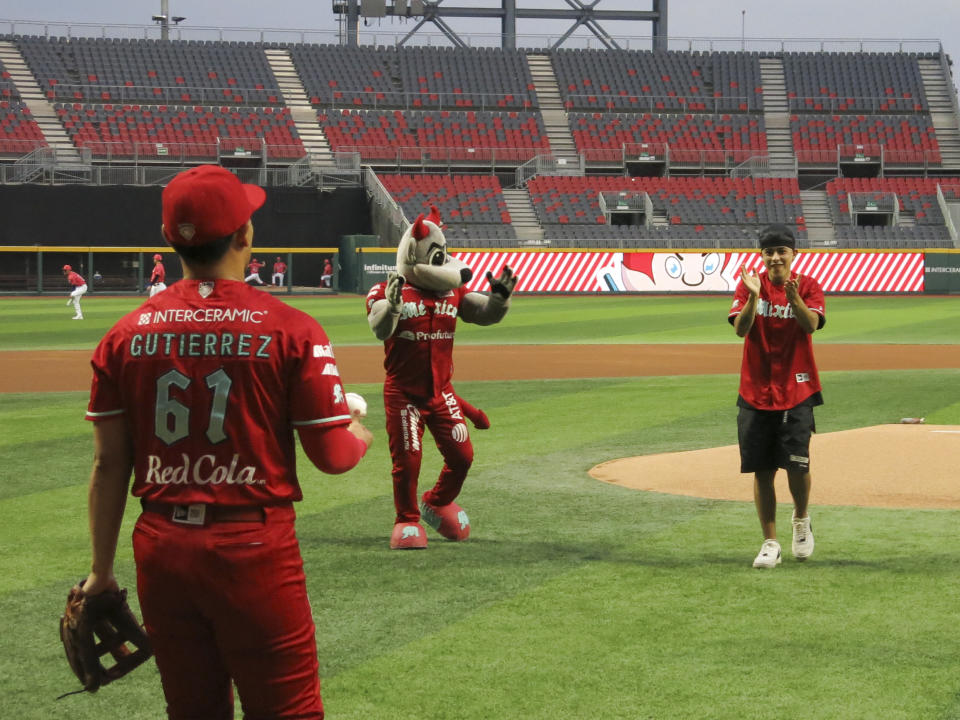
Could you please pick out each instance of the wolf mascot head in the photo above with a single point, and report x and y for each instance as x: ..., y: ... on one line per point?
x: 422, y: 257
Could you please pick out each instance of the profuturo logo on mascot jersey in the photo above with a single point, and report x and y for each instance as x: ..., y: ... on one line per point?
x: 202, y: 472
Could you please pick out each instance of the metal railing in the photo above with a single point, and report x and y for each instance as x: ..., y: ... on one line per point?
x: 546, y: 164
x: 953, y: 191
x: 381, y: 36
x: 853, y: 104
x: 53, y: 173
x: 873, y: 203
x: 586, y: 102
x: 137, y: 152
x: 162, y: 94
x: 388, y: 219
x: 626, y: 201
x: 331, y: 98
x: 405, y: 157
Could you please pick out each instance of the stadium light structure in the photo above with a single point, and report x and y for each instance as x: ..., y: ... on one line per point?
x: 164, y: 19
x: 583, y: 13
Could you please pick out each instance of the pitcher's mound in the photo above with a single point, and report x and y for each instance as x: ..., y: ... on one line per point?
x: 903, y: 466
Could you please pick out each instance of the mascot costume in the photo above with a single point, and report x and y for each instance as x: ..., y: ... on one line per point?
x: 415, y: 314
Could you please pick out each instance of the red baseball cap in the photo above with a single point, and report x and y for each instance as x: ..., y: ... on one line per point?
x: 206, y: 203
x: 67, y: 268
x: 158, y: 257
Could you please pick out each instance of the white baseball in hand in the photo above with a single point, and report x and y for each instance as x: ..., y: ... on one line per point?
x: 356, y: 404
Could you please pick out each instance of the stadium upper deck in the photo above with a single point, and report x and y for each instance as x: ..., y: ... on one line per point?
x: 593, y: 114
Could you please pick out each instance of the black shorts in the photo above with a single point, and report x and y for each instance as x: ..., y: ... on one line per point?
x: 771, y: 439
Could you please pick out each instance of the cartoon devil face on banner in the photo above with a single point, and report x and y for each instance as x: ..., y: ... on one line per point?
x: 422, y: 257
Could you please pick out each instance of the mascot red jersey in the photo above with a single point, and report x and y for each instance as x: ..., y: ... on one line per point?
x: 415, y: 314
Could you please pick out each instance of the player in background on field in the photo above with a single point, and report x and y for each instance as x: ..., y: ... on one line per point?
x: 79, y: 288
x: 777, y: 313
x: 198, y: 393
x: 279, y: 270
x: 326, y: 276
x: 253, y: 270
x: 158, y: 278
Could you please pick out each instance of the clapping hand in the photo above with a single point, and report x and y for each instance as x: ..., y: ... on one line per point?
x: 751, y: 279
x: 792, y: 289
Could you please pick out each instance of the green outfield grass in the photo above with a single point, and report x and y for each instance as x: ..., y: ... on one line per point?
x: 44, y: 323
x: 572, y: 598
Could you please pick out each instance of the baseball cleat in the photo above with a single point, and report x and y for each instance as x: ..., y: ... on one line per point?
x: 408, y: 536
x: 449, y: 520
x: 769, y: 556
x: 802, y: 537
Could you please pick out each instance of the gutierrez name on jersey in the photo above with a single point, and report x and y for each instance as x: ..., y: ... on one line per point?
x: 221, y: 344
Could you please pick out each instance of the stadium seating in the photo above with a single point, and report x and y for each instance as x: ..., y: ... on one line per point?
x: 416, y: 77
x: 381, y: 134
x: 917, y: 198
x: 175, y: 71
x: 854, y: 82
x: 688, y: 201
x: 906, y: 139
x: 658, y: 81
x: 19, y: 133
x: 461, y: 199
x: 601, y: 136
x: 192, y: 131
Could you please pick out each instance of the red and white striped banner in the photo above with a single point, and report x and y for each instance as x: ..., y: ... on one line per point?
x: 572, y: 272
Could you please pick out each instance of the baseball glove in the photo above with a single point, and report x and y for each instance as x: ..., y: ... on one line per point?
x: 92, y: 626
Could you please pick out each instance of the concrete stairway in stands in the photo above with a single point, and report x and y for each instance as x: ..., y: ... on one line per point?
x: 816, y: 215
x: 945, y: 122
x: 776, y: 118
x: 40, y: 108
x: 304, y: 116
x: 523, y: 217
x: 551, y: 107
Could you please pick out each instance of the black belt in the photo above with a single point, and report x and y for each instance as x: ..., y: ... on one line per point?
x: 202, y: 514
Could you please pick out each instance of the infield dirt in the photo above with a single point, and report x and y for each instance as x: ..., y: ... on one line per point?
x: 884, y: 466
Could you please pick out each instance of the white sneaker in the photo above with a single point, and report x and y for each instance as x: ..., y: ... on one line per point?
x: 77, y: 317
x: 802, y: 537
x: 769, y: 556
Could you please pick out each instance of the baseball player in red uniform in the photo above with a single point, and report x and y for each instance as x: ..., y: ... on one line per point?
x: 279, y: 270
x: 777, y: 312
x: 197, y: 393
x: 415, y: 314
x: 158, y: 278
x: 253, y: 270
x: 79, y: 288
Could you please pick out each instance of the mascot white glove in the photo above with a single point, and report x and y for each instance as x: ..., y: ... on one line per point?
x: 394, y: 291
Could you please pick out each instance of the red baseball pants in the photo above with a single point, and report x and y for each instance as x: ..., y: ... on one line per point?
x: 406, y: 417
x: 224, y: 602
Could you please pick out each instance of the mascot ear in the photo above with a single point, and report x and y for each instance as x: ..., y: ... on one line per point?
x: 420, y: 231
x: 434, y: 217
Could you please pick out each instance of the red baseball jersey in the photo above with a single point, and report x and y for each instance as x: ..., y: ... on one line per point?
x: 423, y: 339
x: 778, y: 371
x: 213, y: 376
x: 159, y: 274
x: 279, y: 267
x: 254, y: 267
x: 74, y: 279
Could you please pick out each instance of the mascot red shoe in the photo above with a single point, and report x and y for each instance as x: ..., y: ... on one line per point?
x: 415, y: 314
